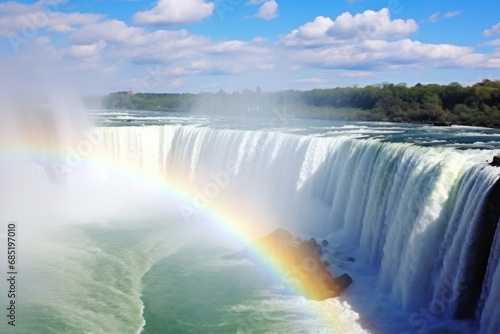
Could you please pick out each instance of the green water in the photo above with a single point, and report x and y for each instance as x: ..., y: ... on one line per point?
x: 86, y: 278
x: 150, y: 276
x: 197, y: 291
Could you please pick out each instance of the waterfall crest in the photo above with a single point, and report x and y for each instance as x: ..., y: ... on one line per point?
x: 414, y: 213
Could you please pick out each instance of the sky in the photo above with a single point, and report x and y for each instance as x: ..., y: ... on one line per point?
x: 101, y: 46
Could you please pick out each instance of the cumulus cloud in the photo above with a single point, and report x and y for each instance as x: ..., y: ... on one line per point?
x: 28, y: 20
x: 268, y: 10
x: 177, y: 53
x: 358, y: 45
x: 391, y: 55
x: 235, y: 46
x: 16, y: 8
x: 372, y: 25
x: 111, y: 31
x: 86, y: 50
x: 495, y: 30
x: 87, y: 56
x: 313, y: 30
x: 161, y: 46
x: 371, y: 40
x: 173, y: 12
x: 363, y: 43
x: 495, y: 42
x: 369, y: 25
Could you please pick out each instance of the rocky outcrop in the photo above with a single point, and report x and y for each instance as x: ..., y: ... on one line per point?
x: 442, y: 123
x: 302, y: 261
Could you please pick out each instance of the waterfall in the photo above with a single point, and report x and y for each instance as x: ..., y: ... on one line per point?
x: 415, y: 214
x: 489, y: 312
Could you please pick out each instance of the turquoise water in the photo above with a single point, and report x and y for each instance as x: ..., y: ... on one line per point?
x: 461, y: 137
x: 110, y: 253
x: 150, y: 276
x: 197, y: 290
x: 86, y: 278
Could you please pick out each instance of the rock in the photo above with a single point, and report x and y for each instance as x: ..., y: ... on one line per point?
x: 324, y: 243
x: 496, y: 160
x: 326, y: 263
x: 282, y: 234
x: 350, y: 259
x: 442, y: 123
x: 343, y: 281
x: 302, y: 259
x: 329, y: 287
x: 319, y: 250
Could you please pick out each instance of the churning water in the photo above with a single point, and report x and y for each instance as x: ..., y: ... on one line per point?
x: 132, y: 226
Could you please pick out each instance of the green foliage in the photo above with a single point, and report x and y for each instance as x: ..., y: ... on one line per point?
x: 144, y: 101
x: 474, y: 105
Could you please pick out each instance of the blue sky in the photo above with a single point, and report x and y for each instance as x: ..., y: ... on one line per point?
x: 202, y: 45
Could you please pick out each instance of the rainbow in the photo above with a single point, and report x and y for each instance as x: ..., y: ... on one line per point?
x: 243, y: 229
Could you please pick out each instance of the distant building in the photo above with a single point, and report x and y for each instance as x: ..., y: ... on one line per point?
x: 129, y: 92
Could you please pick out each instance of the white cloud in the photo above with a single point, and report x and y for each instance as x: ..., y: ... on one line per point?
x: 177, y: 53
x: 172, y: 12
x: 310, y: 81
x: 226, y: 47
x: 177, y: 83
x: 88, y: 56
x: 358, y: 45
x: 448, y: 15
x: 314, y: 30
x: 495, y: 30
x: 16, y: 8
x: 371, y: 40
x: 61, y: 28
x: 268, y: 10
x: 28, y: 20
x: 387, y: 55
x: 372, y: 25
x: 255, y: 2
x: 369, y: 25
x: 111, y: 31
x: 434, y: 17
x: 266, y: 67
x: 86, y: 50
x: 358, y: 74
x: 495, y: 42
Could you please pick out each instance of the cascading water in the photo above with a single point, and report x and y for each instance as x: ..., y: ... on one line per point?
x: 410, y: 216
x: 489, y: 312
x: 412, y: 212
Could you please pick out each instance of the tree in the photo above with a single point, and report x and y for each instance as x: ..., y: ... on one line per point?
x: 478, y: 104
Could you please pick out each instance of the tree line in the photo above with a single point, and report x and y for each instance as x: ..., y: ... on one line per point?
x: 478, y: 104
